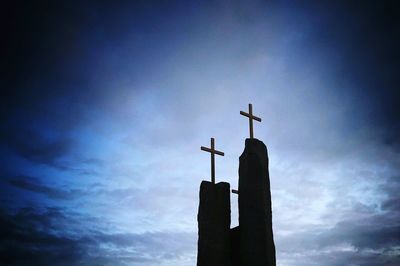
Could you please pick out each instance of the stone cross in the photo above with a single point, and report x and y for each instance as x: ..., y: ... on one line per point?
x: 251, y: 118
x: 213, y: 151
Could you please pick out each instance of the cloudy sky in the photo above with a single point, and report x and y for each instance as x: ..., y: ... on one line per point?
x: 104, y: 107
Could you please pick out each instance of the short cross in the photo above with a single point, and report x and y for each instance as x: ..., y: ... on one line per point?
x: 251, y: 118
x: 213, y: 152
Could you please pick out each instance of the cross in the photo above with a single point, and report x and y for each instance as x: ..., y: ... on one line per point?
x: 251, y: 118
x: 213, y: 152
x: 235, y: 191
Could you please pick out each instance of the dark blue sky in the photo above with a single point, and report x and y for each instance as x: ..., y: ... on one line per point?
x: 104, y: 107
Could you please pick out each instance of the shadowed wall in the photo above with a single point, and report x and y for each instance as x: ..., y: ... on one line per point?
x: 255, y: 214
x: 214, y: 219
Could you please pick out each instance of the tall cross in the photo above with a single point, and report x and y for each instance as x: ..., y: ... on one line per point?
x: 251, y: 118
x: 213, y: 151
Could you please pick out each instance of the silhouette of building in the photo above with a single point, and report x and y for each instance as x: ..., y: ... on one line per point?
x: 252, y: 242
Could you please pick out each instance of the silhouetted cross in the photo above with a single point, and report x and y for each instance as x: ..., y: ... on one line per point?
x: 213, y: 152
x: 251, y: 118
x: 235, y: 191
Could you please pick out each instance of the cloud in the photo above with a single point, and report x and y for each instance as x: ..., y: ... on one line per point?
x: 26, y: 239
x: 129, y: 207
x: 371, y: 240
x: 391, y: 189
x: 32, y: 237
x: 33, y: 184
x: 35, y: 146
x: 47, y: 146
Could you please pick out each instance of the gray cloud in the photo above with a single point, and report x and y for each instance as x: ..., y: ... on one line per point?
x: 33, y: 184
x: 34, y: 146
x: 372, y: 240
x: 391, y: 189
x: 38, y: 238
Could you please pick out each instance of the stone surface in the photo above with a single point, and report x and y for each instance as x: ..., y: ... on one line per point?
x: 235, y: 246
x: 255, y: 215
x: 214, y: 219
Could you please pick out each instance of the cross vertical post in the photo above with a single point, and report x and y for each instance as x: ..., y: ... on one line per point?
x: 212, y: 162
x: 213, y: 151
x: 251, y: 118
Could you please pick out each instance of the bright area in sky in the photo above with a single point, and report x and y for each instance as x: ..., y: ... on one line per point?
x: 129, y: 180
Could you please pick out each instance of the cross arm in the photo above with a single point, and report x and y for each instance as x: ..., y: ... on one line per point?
x: 212, y: 151
x: 250, y: 116
x: 244, y: 113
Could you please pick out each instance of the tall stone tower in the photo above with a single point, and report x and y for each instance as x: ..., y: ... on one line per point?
x: 214, y: 219
x: 255, y: 214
